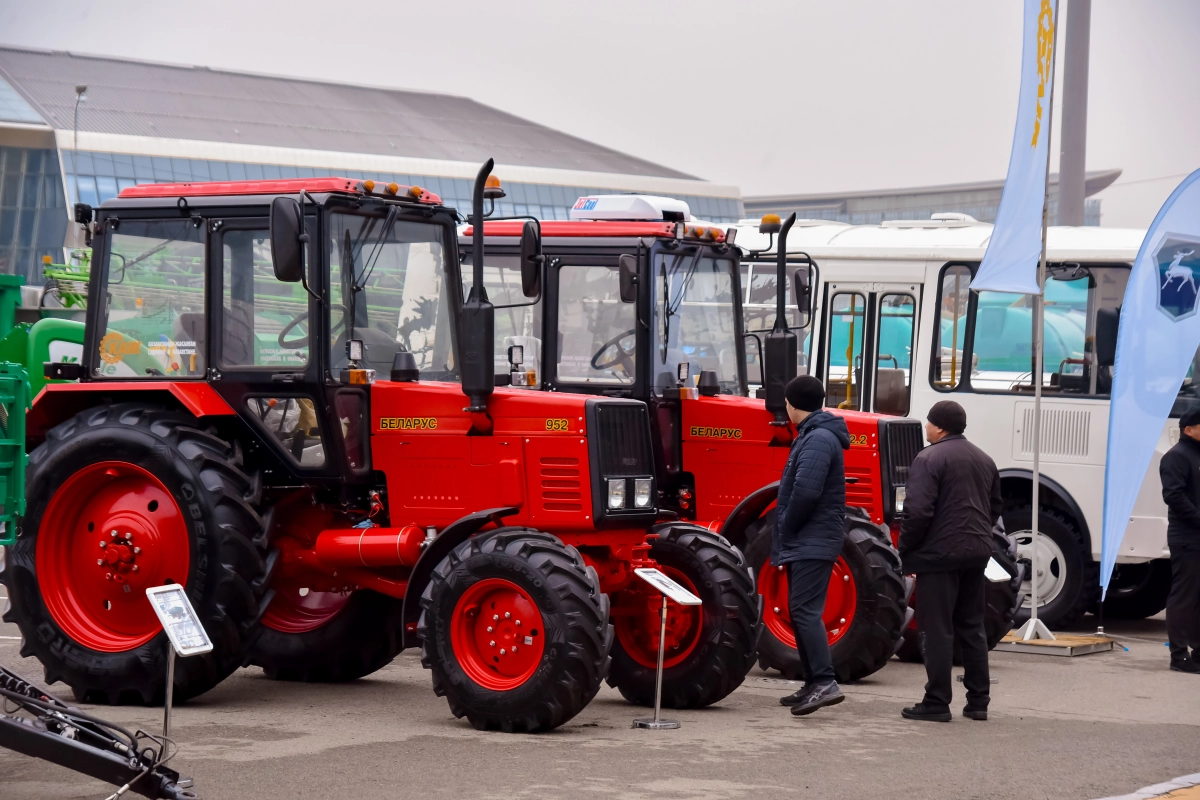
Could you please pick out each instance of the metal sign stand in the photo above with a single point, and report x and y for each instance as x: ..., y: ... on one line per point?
x: 170, y: 690
x: 673, y: 590
x: 185, y: 635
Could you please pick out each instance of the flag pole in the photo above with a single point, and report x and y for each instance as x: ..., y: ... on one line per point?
x: 1035, y: 628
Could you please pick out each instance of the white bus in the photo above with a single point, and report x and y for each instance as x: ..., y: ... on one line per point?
x: 894, y: 328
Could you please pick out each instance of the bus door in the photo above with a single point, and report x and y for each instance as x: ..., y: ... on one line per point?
x: 867, y: 345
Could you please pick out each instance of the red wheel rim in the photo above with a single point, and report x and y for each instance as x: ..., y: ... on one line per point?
x: 300, y: 610
x: 110, y: 531
x: 497, y: 634
x: 638, y: 621
x: 840, y: 602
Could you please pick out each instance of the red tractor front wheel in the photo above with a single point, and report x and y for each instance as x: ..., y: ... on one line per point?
x: 710, y: 648
x: 515, y: 630
x: 864, y: 608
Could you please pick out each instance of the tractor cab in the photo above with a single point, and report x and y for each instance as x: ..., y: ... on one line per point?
x: 189, y: 296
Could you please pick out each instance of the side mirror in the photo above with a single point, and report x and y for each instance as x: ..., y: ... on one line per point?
x: 287, y: 254
x: 531, y: 260
x: 628, y: 278
x: 1107, y: 322
x: 802, y: 291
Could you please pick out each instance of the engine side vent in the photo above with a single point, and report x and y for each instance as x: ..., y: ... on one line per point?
x: 622, y: 436
x: 1065, y: 432
x: 902, y: 439
x: 561, y: 484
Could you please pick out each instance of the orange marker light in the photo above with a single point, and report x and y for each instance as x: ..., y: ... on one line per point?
x: 47, y: 260
x: 492, y: 190
x: 392, y: 188
x: 415, y: 192
x: 369, y: 185
x: 770, y: 223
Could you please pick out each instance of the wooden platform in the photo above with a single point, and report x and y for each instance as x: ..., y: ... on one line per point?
x: 1065, y: 644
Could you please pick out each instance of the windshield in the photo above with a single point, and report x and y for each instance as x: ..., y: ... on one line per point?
x: 153, y: 317
x: 518, y: 318
x: 694, y: 318
x: 389, y: 290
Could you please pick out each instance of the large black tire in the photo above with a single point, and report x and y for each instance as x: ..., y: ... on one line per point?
x: 1137, y: 591
x: 364, y: 636
x: 880, y: 613
x: 1003, y: 600
x: 575, y: 620
x: 730, y: 622
x: 226, y: 576
x: 1076, y: 573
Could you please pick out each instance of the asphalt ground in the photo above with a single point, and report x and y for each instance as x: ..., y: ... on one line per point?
x: 1087, y: 727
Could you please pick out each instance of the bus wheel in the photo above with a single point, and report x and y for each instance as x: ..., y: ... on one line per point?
x: 1137, y: 591
x: 1068, y: 580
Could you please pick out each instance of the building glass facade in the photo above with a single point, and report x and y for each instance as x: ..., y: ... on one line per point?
x: 95, y: 177
x: 33, y: 211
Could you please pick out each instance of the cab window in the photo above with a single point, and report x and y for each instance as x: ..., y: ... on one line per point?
x: 153, y: 316
x: 260, y: 314
x: 518, y: 319
x: 758, y: 314
x: 597, y: 341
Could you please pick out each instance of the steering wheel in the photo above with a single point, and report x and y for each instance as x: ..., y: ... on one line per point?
x: 293, y: 344
x: 623, y: 357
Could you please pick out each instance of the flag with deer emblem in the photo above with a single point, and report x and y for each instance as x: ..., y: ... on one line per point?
x: 1015, y: 247
x: 1157, y: 340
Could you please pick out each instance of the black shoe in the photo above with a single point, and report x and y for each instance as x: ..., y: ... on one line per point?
x: 828, y: 694
x: 926, y: 713
x: 797, y: 697
x: 977, y: 714
x: 1185, y: 665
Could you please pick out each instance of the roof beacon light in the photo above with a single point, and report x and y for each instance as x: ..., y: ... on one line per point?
x: 415, y: 192
x: 771, y: 223
x: 369, y: 185
x: 630, y: 207
x: 392, y: 188
x: 492, y: 190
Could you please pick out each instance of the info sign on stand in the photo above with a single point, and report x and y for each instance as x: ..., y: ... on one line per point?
x: 669, y: 589
x: 187, y: 636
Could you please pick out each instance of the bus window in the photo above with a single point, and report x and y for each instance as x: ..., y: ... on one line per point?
x: 1079, y: 330
x: 893, y: 374
x: 847, y: 315
x: 952, y: 305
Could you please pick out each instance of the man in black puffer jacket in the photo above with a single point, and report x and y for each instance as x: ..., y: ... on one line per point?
x: 946, y: 539
x: 809, y: 527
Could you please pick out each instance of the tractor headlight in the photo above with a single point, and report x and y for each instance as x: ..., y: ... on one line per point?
x: 900, y: 495
x: 641, y: 492
x: 616, y: 492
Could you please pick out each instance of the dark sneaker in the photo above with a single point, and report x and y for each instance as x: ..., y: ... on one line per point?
x: 797, y: 697
x: 820, y: 696
x: 926, y: 713
x: 977, y: 714
x: 1185, y: 665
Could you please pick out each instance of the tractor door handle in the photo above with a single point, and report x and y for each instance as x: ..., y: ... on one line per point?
x: 287, y: 377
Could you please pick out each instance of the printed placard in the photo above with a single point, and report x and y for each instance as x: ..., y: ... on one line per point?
x: 179, y: 619
x: 667, y: 586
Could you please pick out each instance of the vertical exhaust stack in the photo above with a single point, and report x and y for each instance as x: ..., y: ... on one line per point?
x: 781, y: 346
x: 477, y: 335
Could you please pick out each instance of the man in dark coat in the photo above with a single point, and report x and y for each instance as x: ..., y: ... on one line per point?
x: 809, y: 528
x: 953, y: 499
x: 1180, y: 474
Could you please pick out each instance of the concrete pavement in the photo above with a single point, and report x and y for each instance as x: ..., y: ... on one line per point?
x: 1095, y: 726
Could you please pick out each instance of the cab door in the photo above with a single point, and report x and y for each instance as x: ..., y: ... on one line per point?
x: 867, y: 345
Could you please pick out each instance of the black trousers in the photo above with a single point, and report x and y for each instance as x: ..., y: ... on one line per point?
x: 950, y: 607
x: 808, y: 583
x: 1183, y: 605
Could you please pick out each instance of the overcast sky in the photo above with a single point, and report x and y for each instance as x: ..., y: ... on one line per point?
x: 796, y: 96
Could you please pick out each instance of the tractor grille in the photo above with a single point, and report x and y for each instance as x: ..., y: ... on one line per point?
x: 902, y: 440
x: 622, y: 437
x: 562, y: 484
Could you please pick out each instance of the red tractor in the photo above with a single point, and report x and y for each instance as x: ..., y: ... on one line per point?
x: 270, y: 411
x: 638, y: 301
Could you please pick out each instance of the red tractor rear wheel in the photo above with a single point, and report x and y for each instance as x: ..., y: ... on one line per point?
x: 121, y: 498
x: 864, y: 609
x: 515, y: 630
x: 709, y: 649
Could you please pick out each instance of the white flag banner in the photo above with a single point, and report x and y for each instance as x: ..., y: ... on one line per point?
x: 1011, y: 260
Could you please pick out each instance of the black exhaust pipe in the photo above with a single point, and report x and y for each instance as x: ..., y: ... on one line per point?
x: 477, y: 334
x: 781, y: 346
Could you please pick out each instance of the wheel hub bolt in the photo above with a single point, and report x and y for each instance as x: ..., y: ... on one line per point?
x: 514, y: 649
x: 489, y: 630
x: 103, y: 544
x: 501, y: 651
x: 99, y: 562
x: 846, y: 578
x: 507, y: 615
x: 135, y: 567
x: 842, y: 621
x: 108, y: 576
x: 518, y: 624
x: 495, y: 616
x: 776, y: 609
x: 137, y: 550
x: 492, y: 643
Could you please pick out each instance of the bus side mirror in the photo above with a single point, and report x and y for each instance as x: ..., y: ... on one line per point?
x: 628, y: 278
x: 287, y: 255
x: 803, y: 294
x: 531, y: 260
